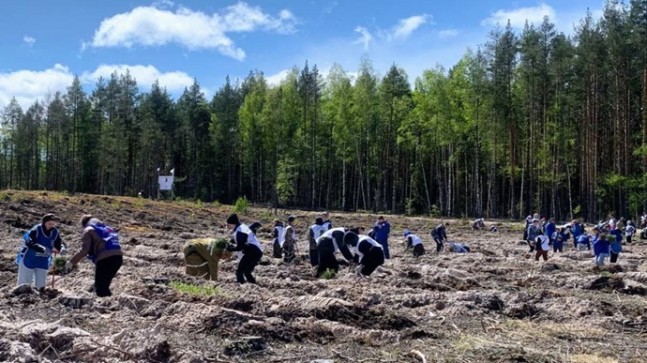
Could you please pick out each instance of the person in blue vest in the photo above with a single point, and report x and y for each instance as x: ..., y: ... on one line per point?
x: 583, y: 242
x: 100, y: 244
x: 330, y: 242
x: 577, y: 229
x: 615, y: 246
x: 368, y: 252
x: 549, y: 230
x: 600, y: 246
x: 34, y: 257
x: 414, y: 242
x: 246, y: 244
x: 559, y: 238
x: 534, y: 230
x: 382, y: 229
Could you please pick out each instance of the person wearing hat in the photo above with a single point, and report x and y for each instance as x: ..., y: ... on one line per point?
x: 289, y: 241
x: 369, y: 253
x: 100, y: 244
x: 34, y: 257
x: 315, y: 231
x: 277, y: 239
x: 248, y: 247
x: 414, y: 242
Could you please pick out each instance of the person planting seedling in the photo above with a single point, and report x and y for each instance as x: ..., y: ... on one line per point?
x: 201, y: 256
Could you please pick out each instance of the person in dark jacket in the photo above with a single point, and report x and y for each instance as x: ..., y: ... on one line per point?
x: 329, y: 243
x: 34, y: 257
x: 248, y: 247
x: 615, y: 245
x: 439, y: 234
x: 559, y: 238
x: 382, y: 230
x: 533, y: 231
x: 368, y: 252
x: 100, y: 243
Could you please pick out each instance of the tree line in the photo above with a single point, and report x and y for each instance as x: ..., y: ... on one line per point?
x: 531, y: 120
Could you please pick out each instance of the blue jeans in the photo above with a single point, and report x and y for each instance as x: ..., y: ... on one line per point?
x: 599, y: 259
x: 385, y: 247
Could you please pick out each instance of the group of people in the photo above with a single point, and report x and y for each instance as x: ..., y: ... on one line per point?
x: 605, y: 239
x: 42, y: 243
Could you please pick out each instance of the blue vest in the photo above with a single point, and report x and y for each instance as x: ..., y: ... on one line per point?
x: 32, y: 258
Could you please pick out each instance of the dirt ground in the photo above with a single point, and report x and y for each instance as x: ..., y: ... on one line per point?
x: 492, y: 305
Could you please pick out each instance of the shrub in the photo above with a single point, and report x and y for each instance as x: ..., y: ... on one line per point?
x: 329, y: 274
x: 241, y: 206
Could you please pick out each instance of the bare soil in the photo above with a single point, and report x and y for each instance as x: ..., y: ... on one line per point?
x: 496, y: 304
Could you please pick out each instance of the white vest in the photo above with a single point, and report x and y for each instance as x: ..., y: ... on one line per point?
x: 630, y: 230
x: 317, y: 230
x: 284, y: 232
x: 251, y: 237
x: 280, y: 234
x: 364, y: 238
x: 415, y: 240
x: 328, y: 234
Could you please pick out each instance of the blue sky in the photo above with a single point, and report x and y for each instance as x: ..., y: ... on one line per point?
x: 43, y: 44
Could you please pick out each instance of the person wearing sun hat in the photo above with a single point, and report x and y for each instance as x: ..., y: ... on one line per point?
x: 34, y: 257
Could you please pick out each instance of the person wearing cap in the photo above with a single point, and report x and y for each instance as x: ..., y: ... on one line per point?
x: 100, y: 244
x: 315, y: 231
x: 439, y: 234
x: 34, y: 257
x: 247, y: 246
x: 542, y: 245
x: 368, y: 252
x: 382, y: 229
x: 330, y: 242
x: 600, y: 245
x: 533, y: 231
x: 289, y: 241
x: 414, y: 242
x: 277, y: 239
x: 327, y: 224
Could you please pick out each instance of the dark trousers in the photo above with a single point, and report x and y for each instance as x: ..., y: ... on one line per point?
x: 614, y: 257
x: 385, y: 247
x: 251, y: 256
x: 558, y: 246
x: 541, y: 253
x: 372, y: 260
x: 105, y: 271
x: 439, y: 244
x: 531, y: 244
x: 327, y: 259
x: 277, y: 251
x: 629, y: 239
x: 314, y: 257
x: 418, y: 250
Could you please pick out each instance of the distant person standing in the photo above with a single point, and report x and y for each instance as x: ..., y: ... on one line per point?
x: 439, y: 234
x: 533, y: 231
x: 289, y: 241
x: 382, y: 230
x: 277, y: 239
x: 630, y: 230
x: 315, y: 231
x: 34, y: 257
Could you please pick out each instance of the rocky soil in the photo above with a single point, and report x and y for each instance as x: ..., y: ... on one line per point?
x: 492, y: 305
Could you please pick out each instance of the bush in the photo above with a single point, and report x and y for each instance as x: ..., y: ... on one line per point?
x: 241, y: 206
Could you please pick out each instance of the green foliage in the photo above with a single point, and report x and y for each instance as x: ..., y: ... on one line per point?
x: 194, y: 289
x: 242, y: 205
x: 328, y: 274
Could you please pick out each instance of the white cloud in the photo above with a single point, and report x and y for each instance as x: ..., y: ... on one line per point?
x: 30, y: 41
x: 519, y: 16
x: 28, y: 86
x: 407, y: 26
x: 155, y: 26
x: 447, y: 33
x: 277, y: 78
x: 366, y: 37
x: 144, y: 75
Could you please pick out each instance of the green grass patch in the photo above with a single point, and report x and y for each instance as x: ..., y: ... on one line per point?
x: 194, y: 290
x: 328, y: 274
